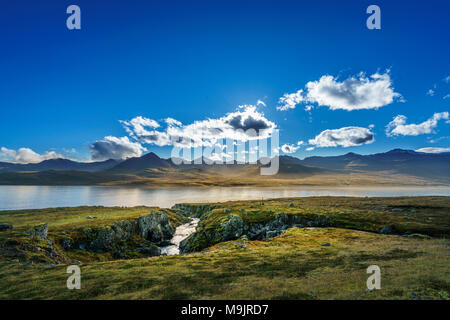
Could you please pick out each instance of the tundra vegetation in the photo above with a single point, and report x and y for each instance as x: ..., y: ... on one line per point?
x: 293, y: 248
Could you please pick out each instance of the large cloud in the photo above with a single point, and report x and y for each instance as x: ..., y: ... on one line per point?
x: 353, y: 93
x: 345, y: 137
x: 115, y: 148
x: 398, y: 125
x: 26, y: 155
x: 433, y: 150
x: 235, y: 125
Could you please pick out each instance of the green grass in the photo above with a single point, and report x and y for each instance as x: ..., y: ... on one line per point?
x: 422, y: 216
x: 69, y: 223
x: 294, y: 265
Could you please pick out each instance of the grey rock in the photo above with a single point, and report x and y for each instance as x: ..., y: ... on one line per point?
x: 66, y: 244
x: 274, y: 233
x: 149, y: 249
x: 155, y: 228
x: 232, y: 228
x: 5, y: 226
x: 386, y: 230
x: 40, y: 231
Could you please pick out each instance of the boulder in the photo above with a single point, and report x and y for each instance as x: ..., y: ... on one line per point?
x: 40, y: 231
x: 386, y: 230
x: 149, y: 249
x: 5, y: 226
x: 66, y: 244
x: 155, y: 228
x: 233, y: 228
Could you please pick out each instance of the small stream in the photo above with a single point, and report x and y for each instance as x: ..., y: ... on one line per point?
x: 182, y: 232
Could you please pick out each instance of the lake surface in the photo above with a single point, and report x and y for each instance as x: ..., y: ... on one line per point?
x: 37, y: 197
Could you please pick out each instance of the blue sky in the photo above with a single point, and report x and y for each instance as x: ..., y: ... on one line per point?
x: 192, y: 60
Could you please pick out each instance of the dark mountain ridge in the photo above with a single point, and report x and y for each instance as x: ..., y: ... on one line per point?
x: 397, y: 161
x: 59, y: 164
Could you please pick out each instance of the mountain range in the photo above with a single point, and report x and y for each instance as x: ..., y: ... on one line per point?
x: 150, y: 168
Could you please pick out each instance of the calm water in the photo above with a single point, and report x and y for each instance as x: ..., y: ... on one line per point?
x: 36, y: 197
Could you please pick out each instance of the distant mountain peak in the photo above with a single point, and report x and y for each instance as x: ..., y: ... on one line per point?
x: 398, y: 150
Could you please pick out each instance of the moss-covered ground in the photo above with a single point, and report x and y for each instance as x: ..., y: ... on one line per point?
x: 302, y: 263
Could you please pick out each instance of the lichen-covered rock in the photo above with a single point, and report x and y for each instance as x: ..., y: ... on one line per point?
x: 154, y: 228
x: 232, y: 228
x: 387, y: 230
x: 5, y: 226
x: 40, y: 231
x: 66, y: 244
x: 149, y: 249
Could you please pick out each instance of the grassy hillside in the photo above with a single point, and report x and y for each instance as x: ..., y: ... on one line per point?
x: 213, y: 176
x: 301, y: 263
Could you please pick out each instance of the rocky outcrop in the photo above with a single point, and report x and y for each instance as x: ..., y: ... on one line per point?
x: 387, y: 230
x: 150, y: 230
x: 40, y: 231
x: 148, y: 249
x: 233, y: 227
x: 193, y: 209
x: 5, y: 227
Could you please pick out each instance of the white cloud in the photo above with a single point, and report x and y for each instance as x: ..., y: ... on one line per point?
x: 433, y: 150
x: 446, y: 96
x: 115, y: 148
x: 446, y: 79
x: 207, y: 132
x: 398, y: 125
x: 290, y: 100
x: 26, y: 155
x: 291, y: 148
x: 430, y: 92
x: 173, y: 122
x: 310, y: 149
x: 139, y: 124
x: 345, y: 137
x: 260, y: 102
x: 353, y: 93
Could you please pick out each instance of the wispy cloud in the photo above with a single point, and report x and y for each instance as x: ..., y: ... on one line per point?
x: 290, y: 100
x: 398, y: 125
x: 433, y: 150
